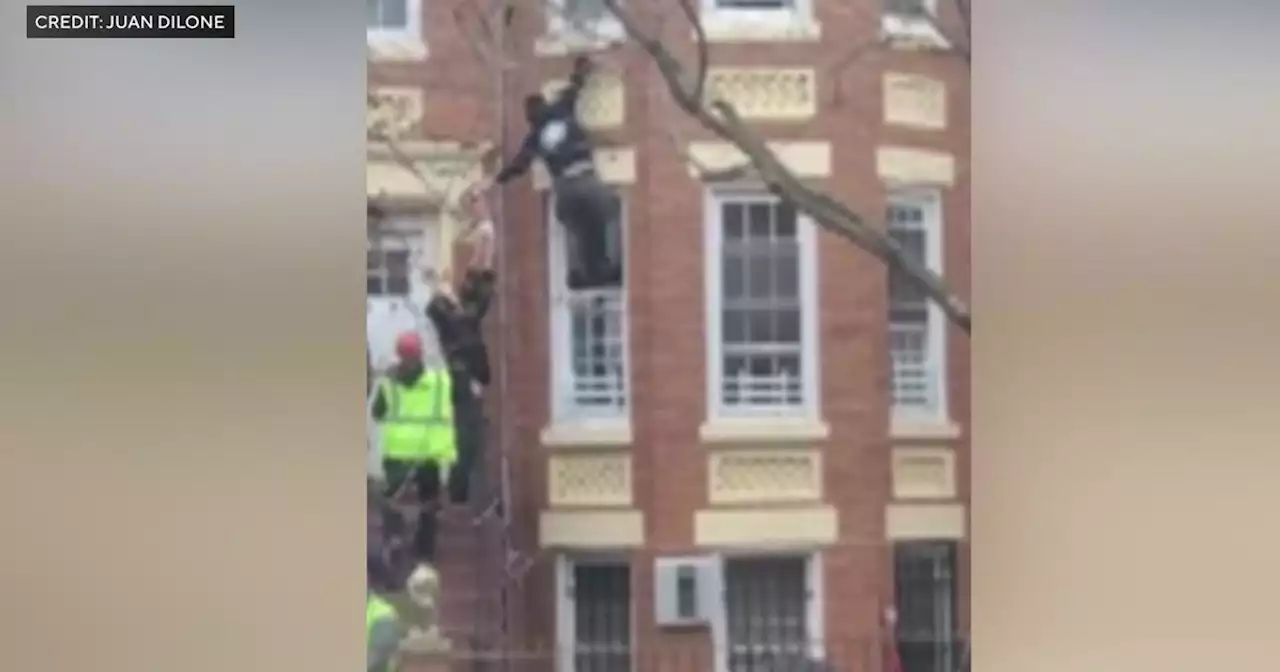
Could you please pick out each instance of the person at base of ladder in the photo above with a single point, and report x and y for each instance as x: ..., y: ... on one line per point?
x: 584, y: 204
x: 383, y: 633
x: 419, y: 443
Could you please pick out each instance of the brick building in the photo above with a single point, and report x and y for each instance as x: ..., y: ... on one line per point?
x: 761, y: 440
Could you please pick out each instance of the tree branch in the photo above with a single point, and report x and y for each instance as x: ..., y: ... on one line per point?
x: 722, y: 119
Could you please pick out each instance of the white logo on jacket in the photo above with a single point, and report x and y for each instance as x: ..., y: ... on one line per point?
x: 553, y: 135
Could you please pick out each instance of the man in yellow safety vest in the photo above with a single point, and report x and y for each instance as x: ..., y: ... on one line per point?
x: 383, y: 633
x: 419, y: 443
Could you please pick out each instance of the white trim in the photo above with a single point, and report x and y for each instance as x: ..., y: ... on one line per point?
x: 801, y: 12
x: 560, y: 322
x: 413, y: 29
x: 930, y: 201
x: 815, y: 604
x: 914, y: 28
x: 566, y: 603
x: 810, y: 344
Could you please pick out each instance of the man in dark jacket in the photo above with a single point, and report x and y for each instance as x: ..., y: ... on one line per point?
x: 584, y: 204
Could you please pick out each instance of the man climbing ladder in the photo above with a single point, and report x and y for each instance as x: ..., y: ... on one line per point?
x: 584, y: 204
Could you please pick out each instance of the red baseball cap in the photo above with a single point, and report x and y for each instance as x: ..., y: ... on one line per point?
x: 409, y: 346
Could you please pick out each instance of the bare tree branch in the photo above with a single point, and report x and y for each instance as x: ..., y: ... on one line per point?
x: 722, y: 119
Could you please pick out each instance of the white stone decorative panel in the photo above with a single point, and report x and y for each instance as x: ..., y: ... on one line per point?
x: 762, y: 475
x: 780, y: 94
x: 591, y: 479
x: 915, y: 101
x: 924, y: 473
x: 394, y: 111
x: 602, y: 103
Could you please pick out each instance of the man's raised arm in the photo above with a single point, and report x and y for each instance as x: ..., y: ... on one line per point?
x: 568, y: 98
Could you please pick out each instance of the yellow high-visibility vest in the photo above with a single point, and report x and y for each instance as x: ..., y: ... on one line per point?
x: 376, y: 611
x: 418, y: 426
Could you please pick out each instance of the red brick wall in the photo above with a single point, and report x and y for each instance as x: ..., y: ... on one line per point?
x: 665, y: 256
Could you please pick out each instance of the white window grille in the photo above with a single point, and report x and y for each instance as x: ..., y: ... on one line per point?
x: 766, y: 12
x: 393, y: 18
x: 755, y: 5
x: 589, y: 332
x: 763, y: 340
x: 594, y: 616
x: 915, y: 9
x: 583, y: 19
x: 388, y: 266
x: 773, y: 613
x: 916, y: 331
x: 926, y: 588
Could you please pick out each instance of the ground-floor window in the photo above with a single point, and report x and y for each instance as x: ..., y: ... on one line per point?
x: 925, y: 580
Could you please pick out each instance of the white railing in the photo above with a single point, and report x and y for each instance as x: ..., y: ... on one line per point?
x: 595, y: 382
x: 914, y: 371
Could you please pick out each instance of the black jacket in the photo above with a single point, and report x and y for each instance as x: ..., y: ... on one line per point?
x: 557, y: 138
x: 461, y: 330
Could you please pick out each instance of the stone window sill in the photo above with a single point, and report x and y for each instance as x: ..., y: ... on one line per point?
x: 569, y: 435
x: 912, y: 429
x: 400, y: 48
x: 764, y: 430
x: 562, y: 43
x: 912, y: 33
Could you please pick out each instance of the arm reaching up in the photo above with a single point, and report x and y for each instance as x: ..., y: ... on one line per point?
x: 568, y: 98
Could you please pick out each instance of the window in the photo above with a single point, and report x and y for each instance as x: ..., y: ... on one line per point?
x: 925, y: 583
x: 918, y: 9
x: 912, y: 20
x: 589, y: 331
x: 587, y: 19
x: 755, y: 4
x: 761, y: 302
x: 387, y: 266
x: 757, y: 11
x: 773, y: 613
x: 392, y: 18
x: 916, y: 325
x: 594, y: 616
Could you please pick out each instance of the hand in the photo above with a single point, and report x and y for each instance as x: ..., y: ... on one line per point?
x: 484, y: 186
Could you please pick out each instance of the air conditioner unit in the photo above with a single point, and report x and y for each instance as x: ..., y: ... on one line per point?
x: 687, y: 590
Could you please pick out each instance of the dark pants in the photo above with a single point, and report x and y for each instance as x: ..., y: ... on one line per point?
x: 585, y: 205
x: 469, y: 422
x: 426, y: 483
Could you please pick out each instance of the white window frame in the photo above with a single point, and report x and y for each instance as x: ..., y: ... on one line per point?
x: 815, y: 607
x: 810, y: 344
x: 566, y: 604
x: 563, y: 410
x: 801, y: 11
x: 606, y: 29
x: 411, y: 32
x: 930, y: 201
x: 899, y: 26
